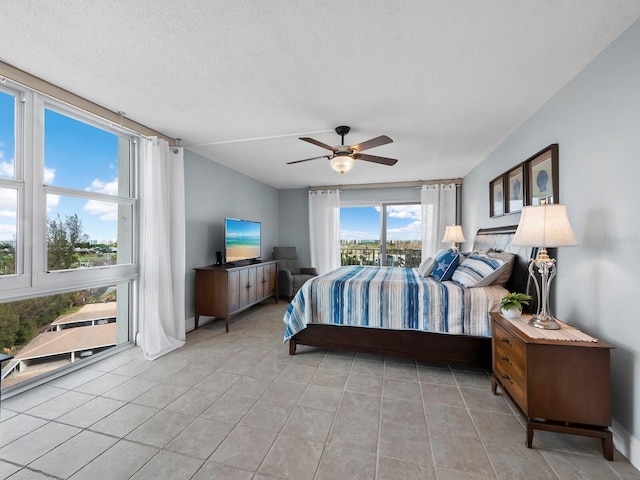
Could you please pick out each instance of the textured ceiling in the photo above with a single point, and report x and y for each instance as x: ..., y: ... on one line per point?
x: 238, y: 81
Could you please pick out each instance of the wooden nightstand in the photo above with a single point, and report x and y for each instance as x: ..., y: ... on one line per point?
x: 559, y: 386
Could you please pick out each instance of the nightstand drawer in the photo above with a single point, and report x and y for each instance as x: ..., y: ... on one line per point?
x: 509, y: 363
x: 508, y: 344
x: 511, y: 376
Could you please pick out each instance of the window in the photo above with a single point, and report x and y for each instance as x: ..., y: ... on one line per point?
x: 9, y: 187
x: 402, y: 234
x: 86, y: 173
x: 384, y: 234
x: 68, y: 211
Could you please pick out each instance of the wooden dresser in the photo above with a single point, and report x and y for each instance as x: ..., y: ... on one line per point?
x: 222, y: 291
x: 560, y: 386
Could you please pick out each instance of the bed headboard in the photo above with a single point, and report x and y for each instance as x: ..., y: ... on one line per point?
x: 499, y: 238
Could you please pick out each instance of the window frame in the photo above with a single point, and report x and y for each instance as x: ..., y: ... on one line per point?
x: 32, y: 279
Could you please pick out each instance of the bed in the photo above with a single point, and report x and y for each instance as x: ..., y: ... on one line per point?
x: 446, y: 333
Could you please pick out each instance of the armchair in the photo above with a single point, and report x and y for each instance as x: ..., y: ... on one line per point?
x: 290, y: 275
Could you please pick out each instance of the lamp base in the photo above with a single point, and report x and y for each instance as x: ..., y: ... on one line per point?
x: 545, y: 322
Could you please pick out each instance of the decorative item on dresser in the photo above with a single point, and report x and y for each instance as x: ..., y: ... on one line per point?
x: 222, y: 291
x: 560, y: 380
x: 512, y: 304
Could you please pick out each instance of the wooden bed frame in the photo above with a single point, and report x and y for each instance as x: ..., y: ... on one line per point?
x: 426, y: 346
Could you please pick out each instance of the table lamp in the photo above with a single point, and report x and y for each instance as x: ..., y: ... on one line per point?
x: 453, y: 234
x: 544, y: 226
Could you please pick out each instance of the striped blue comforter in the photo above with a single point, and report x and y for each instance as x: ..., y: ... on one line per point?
x: 392, y: 298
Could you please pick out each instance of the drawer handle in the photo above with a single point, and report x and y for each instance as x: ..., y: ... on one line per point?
x: 507, y: 377
x: 506, y: 340
x: 507, y: 359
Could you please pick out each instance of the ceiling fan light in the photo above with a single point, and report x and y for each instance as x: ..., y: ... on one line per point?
x: 342, y: 163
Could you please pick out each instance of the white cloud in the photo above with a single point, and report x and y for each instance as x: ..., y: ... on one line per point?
x: 6, y: 168
x: 413, y: 227
x: 6, y: 213
x: 98, y: 186
x: 7, y: 232
x: 52, y: 201
x: 8, y: 199
x: 49, y: 175
x: 105, y: 211
x: 404, y: 211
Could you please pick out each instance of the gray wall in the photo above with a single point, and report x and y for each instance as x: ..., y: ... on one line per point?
x: 595, y: 119
x: 213, y: 192
x: 294, y: 222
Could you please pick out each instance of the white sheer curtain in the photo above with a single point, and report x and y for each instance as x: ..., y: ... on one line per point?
x: 324, y: 229
x: 438, y: 211
x: 162, y: 249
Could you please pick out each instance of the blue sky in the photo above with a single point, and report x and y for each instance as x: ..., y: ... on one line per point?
x: 77, y: 156
x: 363, y: 223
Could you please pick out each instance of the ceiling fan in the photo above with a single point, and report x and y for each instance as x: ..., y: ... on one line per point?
x: 343, y: 156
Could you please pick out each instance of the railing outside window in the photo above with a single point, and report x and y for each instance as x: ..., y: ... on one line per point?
x: 396, y: 257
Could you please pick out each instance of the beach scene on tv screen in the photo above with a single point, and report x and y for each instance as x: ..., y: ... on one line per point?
x: 243, y: 240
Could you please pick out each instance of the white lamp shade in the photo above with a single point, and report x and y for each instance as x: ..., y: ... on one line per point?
x: 544, y: 226
x: 342, y: 163
x: 453, y: 234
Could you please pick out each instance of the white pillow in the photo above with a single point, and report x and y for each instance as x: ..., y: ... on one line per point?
x: 478, y: 271
x: 426, y: 266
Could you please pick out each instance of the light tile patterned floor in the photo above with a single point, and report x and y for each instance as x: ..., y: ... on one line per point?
x: 237, y: 406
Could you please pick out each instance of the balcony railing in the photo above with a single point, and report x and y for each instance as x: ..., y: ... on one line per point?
x: 396, y: 257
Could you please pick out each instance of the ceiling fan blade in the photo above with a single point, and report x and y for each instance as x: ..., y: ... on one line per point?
x: 375, y: 159
x: 307, y: 159
x: 318, y: 143
x: 374, y: 142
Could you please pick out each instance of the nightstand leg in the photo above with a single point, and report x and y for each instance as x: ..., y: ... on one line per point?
x: 607, y: 446
x: 529, y: 435
x: 494, y: 385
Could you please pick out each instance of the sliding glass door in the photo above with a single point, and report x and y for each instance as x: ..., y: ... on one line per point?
x: 381, y: 234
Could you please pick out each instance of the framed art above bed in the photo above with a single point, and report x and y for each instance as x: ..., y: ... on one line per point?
x: 532, y: 182
x: 542, y: 175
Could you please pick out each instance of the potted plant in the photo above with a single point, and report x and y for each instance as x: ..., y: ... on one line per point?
x: 512, y: 303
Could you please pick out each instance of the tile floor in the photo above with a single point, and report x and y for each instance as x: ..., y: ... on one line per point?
x: 237, y: 406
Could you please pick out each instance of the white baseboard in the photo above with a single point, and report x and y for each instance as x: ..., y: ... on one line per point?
x: 626, y: 444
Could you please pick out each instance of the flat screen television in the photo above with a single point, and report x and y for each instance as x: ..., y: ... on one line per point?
x: 242, y: 240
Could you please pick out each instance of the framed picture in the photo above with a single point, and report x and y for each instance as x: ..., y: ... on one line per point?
x: 496, y: 197
x: 514, y: 190
x: 542, y: 176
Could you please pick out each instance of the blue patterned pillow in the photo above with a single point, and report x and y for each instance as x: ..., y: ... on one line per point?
x: 478, y: 271
x: 445, y: 264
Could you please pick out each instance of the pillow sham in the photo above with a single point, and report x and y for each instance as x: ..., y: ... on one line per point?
x: 510, y: 260
x: 426, y: 266
x: 478, y: 271
x: 446, y: 263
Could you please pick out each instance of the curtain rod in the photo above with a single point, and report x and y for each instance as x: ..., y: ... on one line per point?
x: 117, y: 118
x: 418, y: 183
